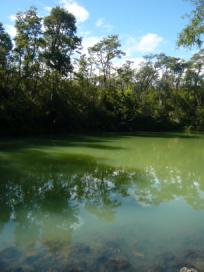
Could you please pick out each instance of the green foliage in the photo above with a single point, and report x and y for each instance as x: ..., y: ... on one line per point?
x: 28, y: 41
x: 104, y: 52
x: 193, y: 32
x: 5, y: 46
x: 60, y: 40
x: 41, y: 92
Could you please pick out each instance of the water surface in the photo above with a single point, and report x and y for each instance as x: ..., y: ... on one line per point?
x: 111, y: 203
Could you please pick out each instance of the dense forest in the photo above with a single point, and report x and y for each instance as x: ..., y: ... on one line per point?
x: 48, y: 85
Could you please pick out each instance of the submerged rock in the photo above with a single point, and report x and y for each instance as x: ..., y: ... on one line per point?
x: 138, y: 254
x: 10, y: 254
x: 186, y: 269
x: 195, y: 259
x: 119, y: 264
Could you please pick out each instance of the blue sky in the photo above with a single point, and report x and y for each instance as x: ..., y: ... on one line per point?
x: 144, y: 26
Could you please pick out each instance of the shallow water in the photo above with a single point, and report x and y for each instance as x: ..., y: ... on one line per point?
x: 111, y: 203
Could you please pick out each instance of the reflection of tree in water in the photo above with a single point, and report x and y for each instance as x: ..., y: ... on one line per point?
x: 47, y: 190
x: 44, y: 193
x: 153, y: 188
x: 59, y: 183
x: 45, y: 197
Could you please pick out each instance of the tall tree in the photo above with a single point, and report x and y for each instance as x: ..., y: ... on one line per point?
x: 61, y: 40
x: 126, y: 75
x: 5, y: 46
x: 105, y: 51
x: 147, y: 75
x: 5, y: 61
x: 192, y: 34
x: 28, y: 40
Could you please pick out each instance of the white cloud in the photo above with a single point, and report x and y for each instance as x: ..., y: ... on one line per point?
x: 136, y: 62
x: 77, y: 10
x: 102, y: 24
x: 149, y: 43
x: 89, y: 41
x: 129, y: 46
x: 47, y: 8
x: 11, y: 30
x: 12, y: 18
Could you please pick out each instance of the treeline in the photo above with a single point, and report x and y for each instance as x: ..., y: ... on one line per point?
x: 47, y: 83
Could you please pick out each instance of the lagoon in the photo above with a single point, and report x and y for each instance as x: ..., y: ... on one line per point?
x: 102, y: 203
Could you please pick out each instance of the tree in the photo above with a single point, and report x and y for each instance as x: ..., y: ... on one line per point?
x: 147, y: 75
x: 192, y: 34
x: 60, y: 40
x: 41, y: 91
x: 28, y: 40
x: 126, y: 74
x: 5, y: 46
x: 104, y: 52
x: 83, y: 69
x: 5, y: 61
x: 194, y: 75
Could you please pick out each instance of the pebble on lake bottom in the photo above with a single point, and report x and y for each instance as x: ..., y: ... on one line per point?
x: 186, y: 269
x: 99, y: 256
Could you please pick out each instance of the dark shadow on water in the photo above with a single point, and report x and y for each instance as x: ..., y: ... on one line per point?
x: 95, y: 141
x: 181, y: 135
x: 70, y: 141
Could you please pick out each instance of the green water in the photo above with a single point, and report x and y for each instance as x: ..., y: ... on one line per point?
x: 111, y: 203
